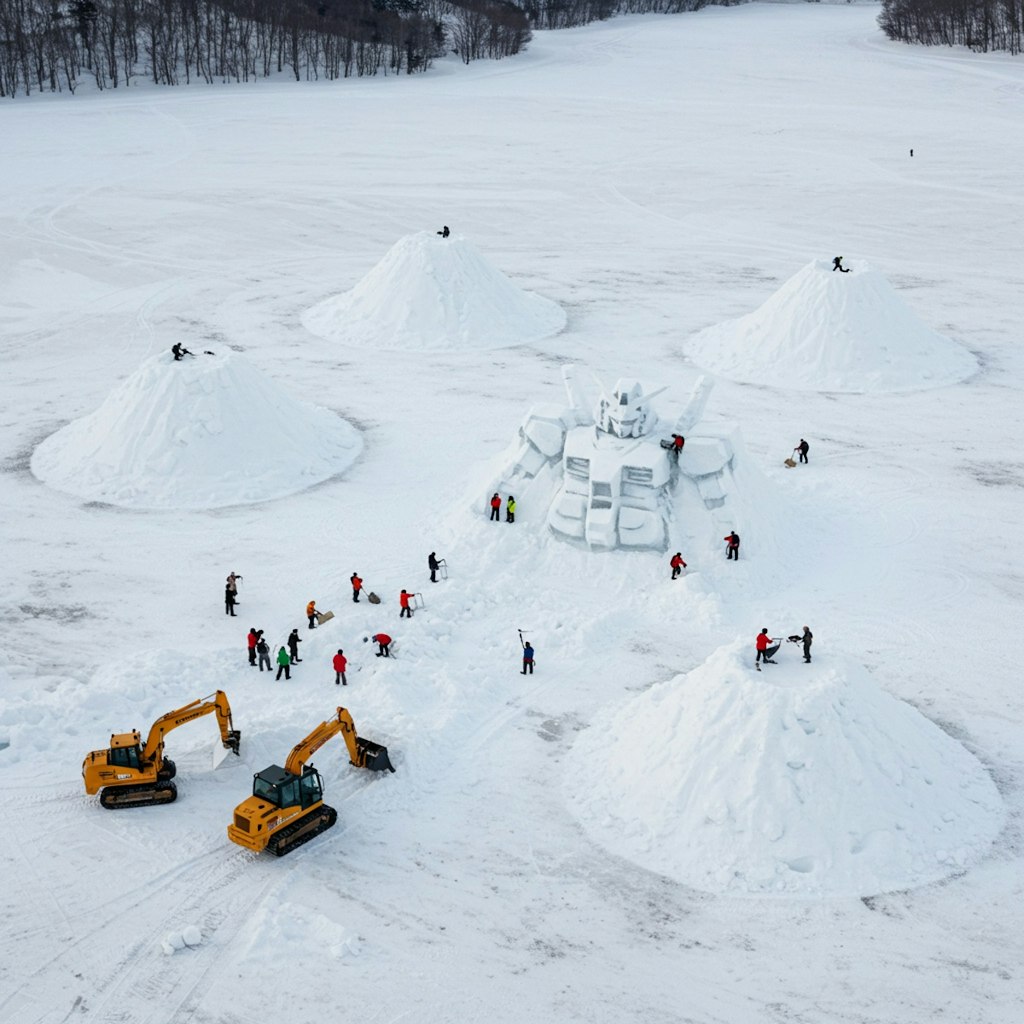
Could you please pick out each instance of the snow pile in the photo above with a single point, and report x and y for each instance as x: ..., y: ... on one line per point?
x: 189, y: 937
x: 289, y: 925
x: 435, y: 294
x: 204, y: 432
x: 800, y: 779
x: 828, y: 331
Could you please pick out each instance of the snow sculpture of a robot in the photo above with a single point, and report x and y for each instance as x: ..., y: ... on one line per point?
x: 617, y: 479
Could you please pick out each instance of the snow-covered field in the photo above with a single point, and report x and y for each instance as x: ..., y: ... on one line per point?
x: 613, y: 838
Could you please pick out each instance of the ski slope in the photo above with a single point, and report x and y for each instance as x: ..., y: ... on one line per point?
x: 652, y: 177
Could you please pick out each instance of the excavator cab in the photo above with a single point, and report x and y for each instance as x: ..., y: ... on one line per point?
x: 125, y: 751
x: 280, y: 788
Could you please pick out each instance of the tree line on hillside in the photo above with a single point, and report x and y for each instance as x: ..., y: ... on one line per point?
x: 56, y: 45
x: 981, y: 25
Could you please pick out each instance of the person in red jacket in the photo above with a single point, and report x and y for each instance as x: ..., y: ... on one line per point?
x: 496, y: 508
x: 252, y: 640
x: 403, y: 600
x: 340, y: 664
x: 384, y: 641
x: 732, y: 546
x: 678, y: 565
x: 357, y: 585
x: 762, y: 643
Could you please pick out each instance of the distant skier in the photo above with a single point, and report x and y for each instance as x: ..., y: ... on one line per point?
x: 527, y: 658
x: 444, y: 232
x: 837, y: 264
x: 403, y: 600
x: 283, y: 664
x: 311, y: 614
x: 762, y: 644
x: 179, y: 351
x: 263, y: 650
x: 433, y: 565
x: 229, y: 601
x: 495, y: 508
x: 510, y: 510
x: 251, y: 641
x: 803, y: 448
x: 293, y: 645
x: 340, y: 664
x: 732, y: 546
x: 807, y: 639
x: 383, y: 641
x: 678, y: 565
x: 357, y: 585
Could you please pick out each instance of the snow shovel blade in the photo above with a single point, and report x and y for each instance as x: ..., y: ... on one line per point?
x: 322, y: 617
x: 373, y: 598
x: 221, y: 750
x: 790, y: 463
x: 373, y: 756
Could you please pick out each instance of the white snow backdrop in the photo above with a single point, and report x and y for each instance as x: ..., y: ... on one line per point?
x: 653, y: 176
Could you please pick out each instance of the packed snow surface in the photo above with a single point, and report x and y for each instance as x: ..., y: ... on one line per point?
x: 826, y: 330
x: 435, y: 294
x: 203, y: 432
x: 800, y: 779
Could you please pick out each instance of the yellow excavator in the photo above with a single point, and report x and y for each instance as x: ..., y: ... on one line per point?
x: 129, y: 774
x: 287, y: 806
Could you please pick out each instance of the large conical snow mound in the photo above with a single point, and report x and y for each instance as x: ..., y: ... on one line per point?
x: 800, y: 779
x: 435, y: 294
x: 828, y: 331
x: 204, y: 432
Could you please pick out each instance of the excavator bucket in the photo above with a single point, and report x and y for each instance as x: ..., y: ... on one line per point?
x: 373, y: 756
x: 230, y: 745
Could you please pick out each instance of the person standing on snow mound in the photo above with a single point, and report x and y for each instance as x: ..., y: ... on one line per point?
x: 403, y: 600
x: 383, y: 641
x: 732, y: 546
x: 527, y: 659
x: 357, y: 585
x: 340, y: 664
x: 263, y: 650
x: 283, y: 664
x: 495, y: 508
x: 293, y: 645
x: 678, y: 565
x: 510, y: 510
x: 803, y: 448
x: 433, y: 565
x: 837, y: 264
x: 444, y: 232
x: 179, y: 351
x: 762, y: 643
x: 311, y: 614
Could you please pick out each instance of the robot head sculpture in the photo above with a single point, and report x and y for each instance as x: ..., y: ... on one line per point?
x: 628, y: 412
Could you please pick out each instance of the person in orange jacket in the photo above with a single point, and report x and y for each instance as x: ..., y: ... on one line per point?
x: 677, y: 563
x: 357, y: 585
x: 340, y: 664
x: 403, y: 600
x: 496, y: 508
x: 311, y: 614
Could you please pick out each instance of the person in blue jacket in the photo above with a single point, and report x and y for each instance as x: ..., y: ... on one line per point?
x: 527, y: 659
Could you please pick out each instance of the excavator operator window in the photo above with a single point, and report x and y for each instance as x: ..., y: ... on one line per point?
x: 312, y: 789
x: 124, y: 757
x: 288, y: 793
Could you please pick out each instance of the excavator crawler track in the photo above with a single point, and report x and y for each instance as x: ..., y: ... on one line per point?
x: 300, y: 832
x: 116, y: 797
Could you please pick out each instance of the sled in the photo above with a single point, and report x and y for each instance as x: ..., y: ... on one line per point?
x: 442, y: 568
x: 372, y: 598
x: 322, y: 617
x: 790, y: 463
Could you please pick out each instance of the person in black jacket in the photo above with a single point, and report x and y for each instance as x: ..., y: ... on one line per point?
x: 732, y: 546
x: 263, y: 650
x: 837, y: 264
x: 803, y: 448
x: 807, y: 639
x: 433, y: 565
x: 293, y: 645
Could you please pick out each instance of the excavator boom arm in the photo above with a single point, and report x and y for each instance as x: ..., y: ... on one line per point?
x: 305, y: 749
x: 215, y: 703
